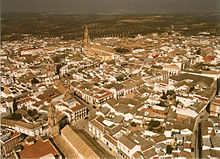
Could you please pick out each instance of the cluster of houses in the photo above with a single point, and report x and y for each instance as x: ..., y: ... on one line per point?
x: 147, y: 91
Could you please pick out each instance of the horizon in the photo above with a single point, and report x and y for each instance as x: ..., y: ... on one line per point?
x: 108, y: 7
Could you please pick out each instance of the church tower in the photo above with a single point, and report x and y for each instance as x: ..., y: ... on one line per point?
x: 52, y: 122
x: 86, y: 41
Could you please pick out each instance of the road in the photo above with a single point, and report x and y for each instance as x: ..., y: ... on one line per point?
x: 203, y: 115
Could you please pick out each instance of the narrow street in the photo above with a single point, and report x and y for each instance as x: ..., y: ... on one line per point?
x: 203, y: 115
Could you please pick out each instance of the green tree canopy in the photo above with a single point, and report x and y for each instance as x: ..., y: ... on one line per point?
x: 154, y: 123
x: 133, y: 124
x: 169, y: 149
x: 16, y: 116
x: 121, y: 50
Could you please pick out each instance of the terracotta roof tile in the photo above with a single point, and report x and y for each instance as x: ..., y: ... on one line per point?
x: 39, y: 149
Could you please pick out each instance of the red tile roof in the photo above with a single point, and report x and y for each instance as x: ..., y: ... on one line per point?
x: 37, y: 150
x: 102, y: 94
x: 208, y: 58
x: 77, y: 107
x: 15, y: 135
x: 217, y: 101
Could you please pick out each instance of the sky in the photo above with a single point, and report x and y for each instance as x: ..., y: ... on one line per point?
x: 93, y: 6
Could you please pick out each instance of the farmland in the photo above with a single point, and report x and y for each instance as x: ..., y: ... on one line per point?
x: 70, y: 26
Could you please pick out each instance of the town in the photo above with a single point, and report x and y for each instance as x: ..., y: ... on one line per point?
x: 148, y: 96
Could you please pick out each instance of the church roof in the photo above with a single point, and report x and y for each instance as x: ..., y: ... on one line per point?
x: 88, y: 148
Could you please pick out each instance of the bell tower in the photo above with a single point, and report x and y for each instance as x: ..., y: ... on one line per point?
x: 52, y: 121
x: 86, y: 41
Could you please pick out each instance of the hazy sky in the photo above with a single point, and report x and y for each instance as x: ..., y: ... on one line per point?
x: 109, y: 5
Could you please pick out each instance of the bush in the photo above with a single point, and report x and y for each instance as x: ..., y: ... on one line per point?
x: 133, y: 124
x: 151, y: 128
x: 160, y: 129
x: 121, y: 50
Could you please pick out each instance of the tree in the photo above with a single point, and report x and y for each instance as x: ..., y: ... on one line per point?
x: 178, y: 102
x: 15, y: 105
x: 30, y: 112
x: 191, y: 89
x: 16, y: 116
x: 121, y: 50
x: 56, y: 58
x: 151, y: 128
x: 160, y: 129
x: 164, y: 96
x: 120, y: 78
x: 34, y: 81
x: 58, y: 67
x: 198, y: 51
x: 154, y: 123
x: 170, y: 92
x: 169, y: 149
x: 13, y: 79
x: 133, y: 124
x: 161, y: 103
x: 34, y: 111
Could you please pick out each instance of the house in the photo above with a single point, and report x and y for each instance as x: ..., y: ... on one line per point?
x: 117, y: 89
x: 215, y: 142
x: 179, y: 139
x: 79, y: 112
x: 168, y: 130
x: 110, y: 142
x: 103, y: 111
x: 127, y: 146
x: 29, y: 129
x: 210, y: 153
x: 181, y: 154
x: 215, y: 107
x: 31, y: 51
x: 172, y: 69
x: 64, y: 70
x: 183, y: 114
x: 40, y: 149
x: 160, y: 148
x: 150, y: 153
x: 92, y: 94
x: 9, y: 139
x: 132, y: 85
x: 206, y: 144
x: 195, y: 78
x: 97, y: 128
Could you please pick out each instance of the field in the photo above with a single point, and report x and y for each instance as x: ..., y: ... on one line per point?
x: 70, y: 26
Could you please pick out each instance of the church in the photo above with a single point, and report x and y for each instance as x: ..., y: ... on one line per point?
x: 102, y: 53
